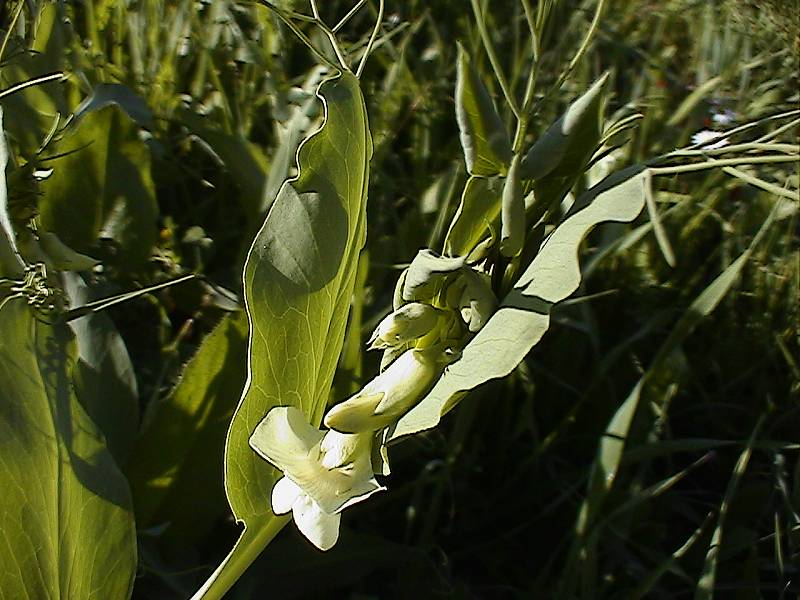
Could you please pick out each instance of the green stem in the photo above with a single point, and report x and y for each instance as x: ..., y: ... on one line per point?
x: 745, y: 147
x: 349, y: 15
x: 31, y: 82
x: 247, y: 549
x: 723, y: 163
x: 747, y: 126
x: 498, y: 71
x: 761, y: 184
x: 300, y: 35
x: 531, y: 20
x: 104, y: 303
x: 330, y: 35
x: 372, y: 37
x: 578, y: 55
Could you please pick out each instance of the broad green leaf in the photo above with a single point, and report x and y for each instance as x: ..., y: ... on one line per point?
x: 103, y: 377
x: 487, y: 149
x: 299, y: 279
x: 176, y: 464
x: 564, y: 147
x: 60, y: 256
x: 349, y: 372
x: 478, y: 211
x: 524, y: 315
x: 103, y: 187
x: 66, y: 521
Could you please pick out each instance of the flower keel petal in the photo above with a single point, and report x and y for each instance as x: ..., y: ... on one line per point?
x: 319, y: 527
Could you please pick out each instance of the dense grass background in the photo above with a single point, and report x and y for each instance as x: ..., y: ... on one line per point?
x: 488, y: 505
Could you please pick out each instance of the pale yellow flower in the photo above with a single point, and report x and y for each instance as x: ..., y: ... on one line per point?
x: 324, y: 472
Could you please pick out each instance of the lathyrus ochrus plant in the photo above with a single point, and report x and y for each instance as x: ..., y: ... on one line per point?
x: 460, y: 317
x: 462, y: 314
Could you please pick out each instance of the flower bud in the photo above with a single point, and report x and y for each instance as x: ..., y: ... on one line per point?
x: 409, y: 322
x: 391, y: 394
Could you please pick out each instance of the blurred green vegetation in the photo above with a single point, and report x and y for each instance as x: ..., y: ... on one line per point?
x: 207, y: 103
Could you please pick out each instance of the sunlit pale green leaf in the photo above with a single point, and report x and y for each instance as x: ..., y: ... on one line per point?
x: 66, y: 521
x: 102, y: 187
x: 299, y: 279
x: 289, y: 134
x: 564, y: 147
x: 487, y: 149
x: 425, y: 271
x: 524, y: 315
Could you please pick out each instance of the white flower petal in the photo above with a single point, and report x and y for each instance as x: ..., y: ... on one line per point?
x: 288, y: 441
x: 284, y: 437
x: 319, y: 527
x: 284, y: 495
x: 332, y: 489
x: 362, y: 492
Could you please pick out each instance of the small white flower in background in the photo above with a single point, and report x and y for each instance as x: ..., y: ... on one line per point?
x: 324, y: 472
x: 706, y: 135
x: 392, y: 393
x: 724, y: 117
x: 407, y: 323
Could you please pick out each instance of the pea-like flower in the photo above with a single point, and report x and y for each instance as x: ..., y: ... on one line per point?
x: 407, y: 323
x: 324, y: 472
x: 392, y: 393
x: 477, y: 303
